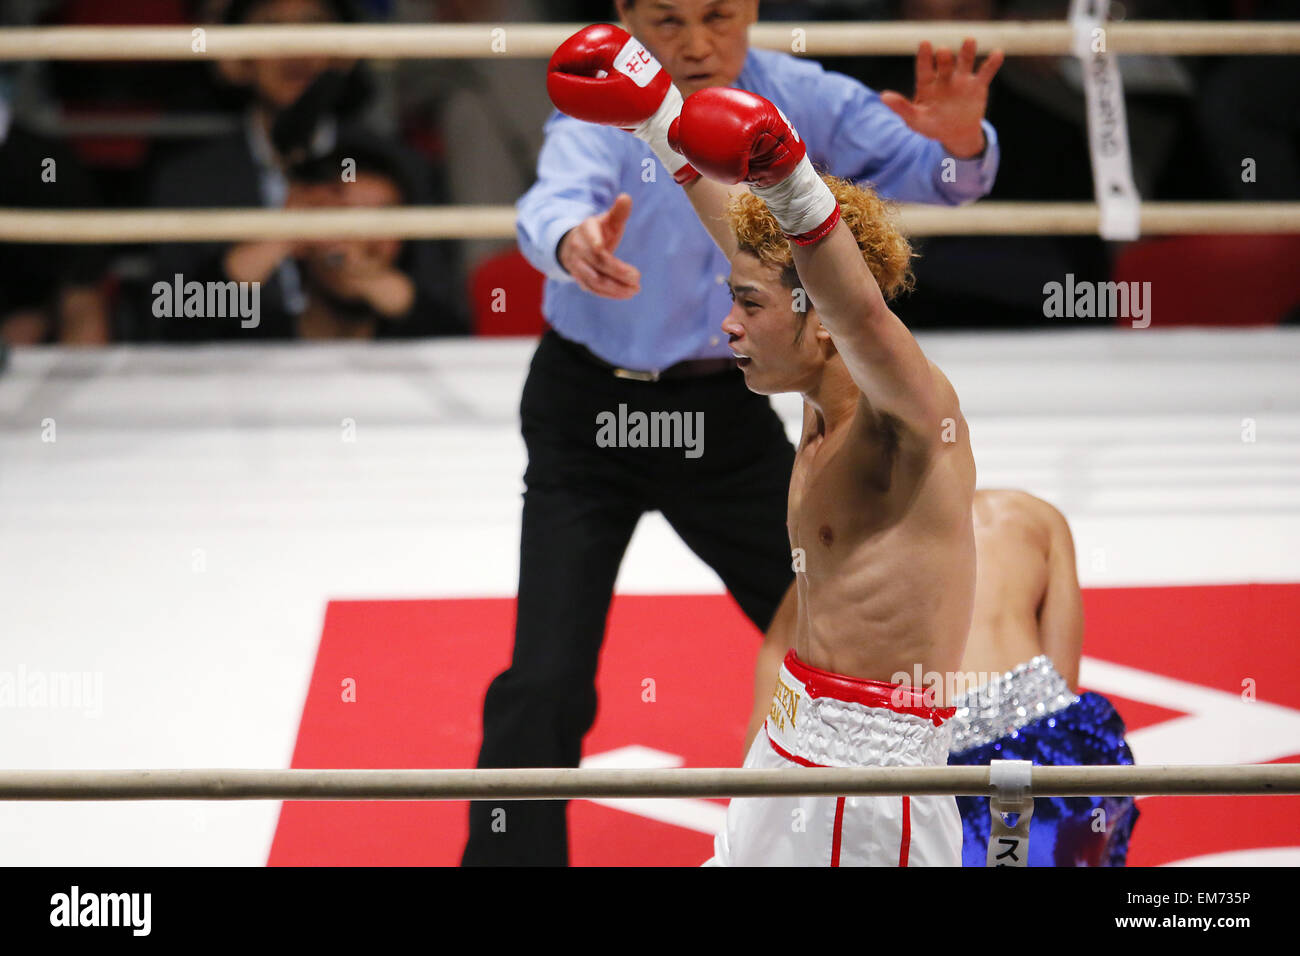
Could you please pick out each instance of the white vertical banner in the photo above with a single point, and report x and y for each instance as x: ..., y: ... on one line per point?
x: 1103, y: 90
x: 1008, y: 844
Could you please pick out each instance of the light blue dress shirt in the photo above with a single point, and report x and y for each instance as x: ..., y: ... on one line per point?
x: 583, y: 167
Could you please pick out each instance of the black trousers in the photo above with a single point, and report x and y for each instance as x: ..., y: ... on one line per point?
x: 581, y: 505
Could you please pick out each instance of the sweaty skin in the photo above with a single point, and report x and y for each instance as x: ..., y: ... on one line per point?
x: 1027, y: 599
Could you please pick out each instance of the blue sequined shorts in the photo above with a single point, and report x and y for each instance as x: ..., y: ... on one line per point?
x: 1064, y: 831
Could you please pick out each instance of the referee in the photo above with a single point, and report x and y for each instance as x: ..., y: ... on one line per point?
x: 639, y: 332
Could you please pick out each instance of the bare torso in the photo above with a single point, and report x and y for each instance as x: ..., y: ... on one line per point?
x: 1013, y: 544
x: 880, y: 521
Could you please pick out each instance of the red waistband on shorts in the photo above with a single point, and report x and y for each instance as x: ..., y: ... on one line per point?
x: 900, y: 698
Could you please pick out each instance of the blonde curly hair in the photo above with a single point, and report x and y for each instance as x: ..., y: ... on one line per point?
x: 868, y: 217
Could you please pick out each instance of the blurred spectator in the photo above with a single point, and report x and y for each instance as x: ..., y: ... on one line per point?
x: 115, y: 113
x: 296, y: 108
x: 1249, y: 110
x: 48, y: 293
x: 479, y: 125
x: 997, y: 281
x: 975, y: 281
x: 373, y: 287
x: 492, y: 118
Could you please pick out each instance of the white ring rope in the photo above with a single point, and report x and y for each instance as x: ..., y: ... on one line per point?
x: 569, y: 783
x: 531, y: 40
x: 498, y: 222
x: 390, y: 41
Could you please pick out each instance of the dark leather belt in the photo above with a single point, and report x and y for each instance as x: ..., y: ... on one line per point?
x: 691, y: 368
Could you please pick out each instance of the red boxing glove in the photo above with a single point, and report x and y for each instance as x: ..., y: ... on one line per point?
x: 604, y: 75
x: 734, y: 136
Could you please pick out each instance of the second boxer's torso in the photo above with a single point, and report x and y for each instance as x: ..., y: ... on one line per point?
x: 883, y: 548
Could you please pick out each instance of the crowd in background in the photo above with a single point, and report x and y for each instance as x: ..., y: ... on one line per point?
x: 275, y: 133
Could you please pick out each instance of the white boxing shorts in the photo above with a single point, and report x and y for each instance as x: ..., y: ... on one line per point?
x: 820, y: 719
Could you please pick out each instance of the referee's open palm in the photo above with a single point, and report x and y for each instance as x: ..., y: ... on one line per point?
x: 951, y: 96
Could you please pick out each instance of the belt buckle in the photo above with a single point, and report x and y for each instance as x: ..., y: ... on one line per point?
x: 636, y: 376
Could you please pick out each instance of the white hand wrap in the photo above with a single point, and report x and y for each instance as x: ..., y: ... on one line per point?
x: 802, y: 204
x: 655, y: 132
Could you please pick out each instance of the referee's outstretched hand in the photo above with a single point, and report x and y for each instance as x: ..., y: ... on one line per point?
x: 587, y: 253
x: 951, y: 96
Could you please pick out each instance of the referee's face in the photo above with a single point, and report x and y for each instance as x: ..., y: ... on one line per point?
x: 699, y: 42
x: 771, y: 330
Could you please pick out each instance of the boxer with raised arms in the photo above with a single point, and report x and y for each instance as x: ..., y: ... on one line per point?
x: 635, y: 289
x: 879, y: 511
